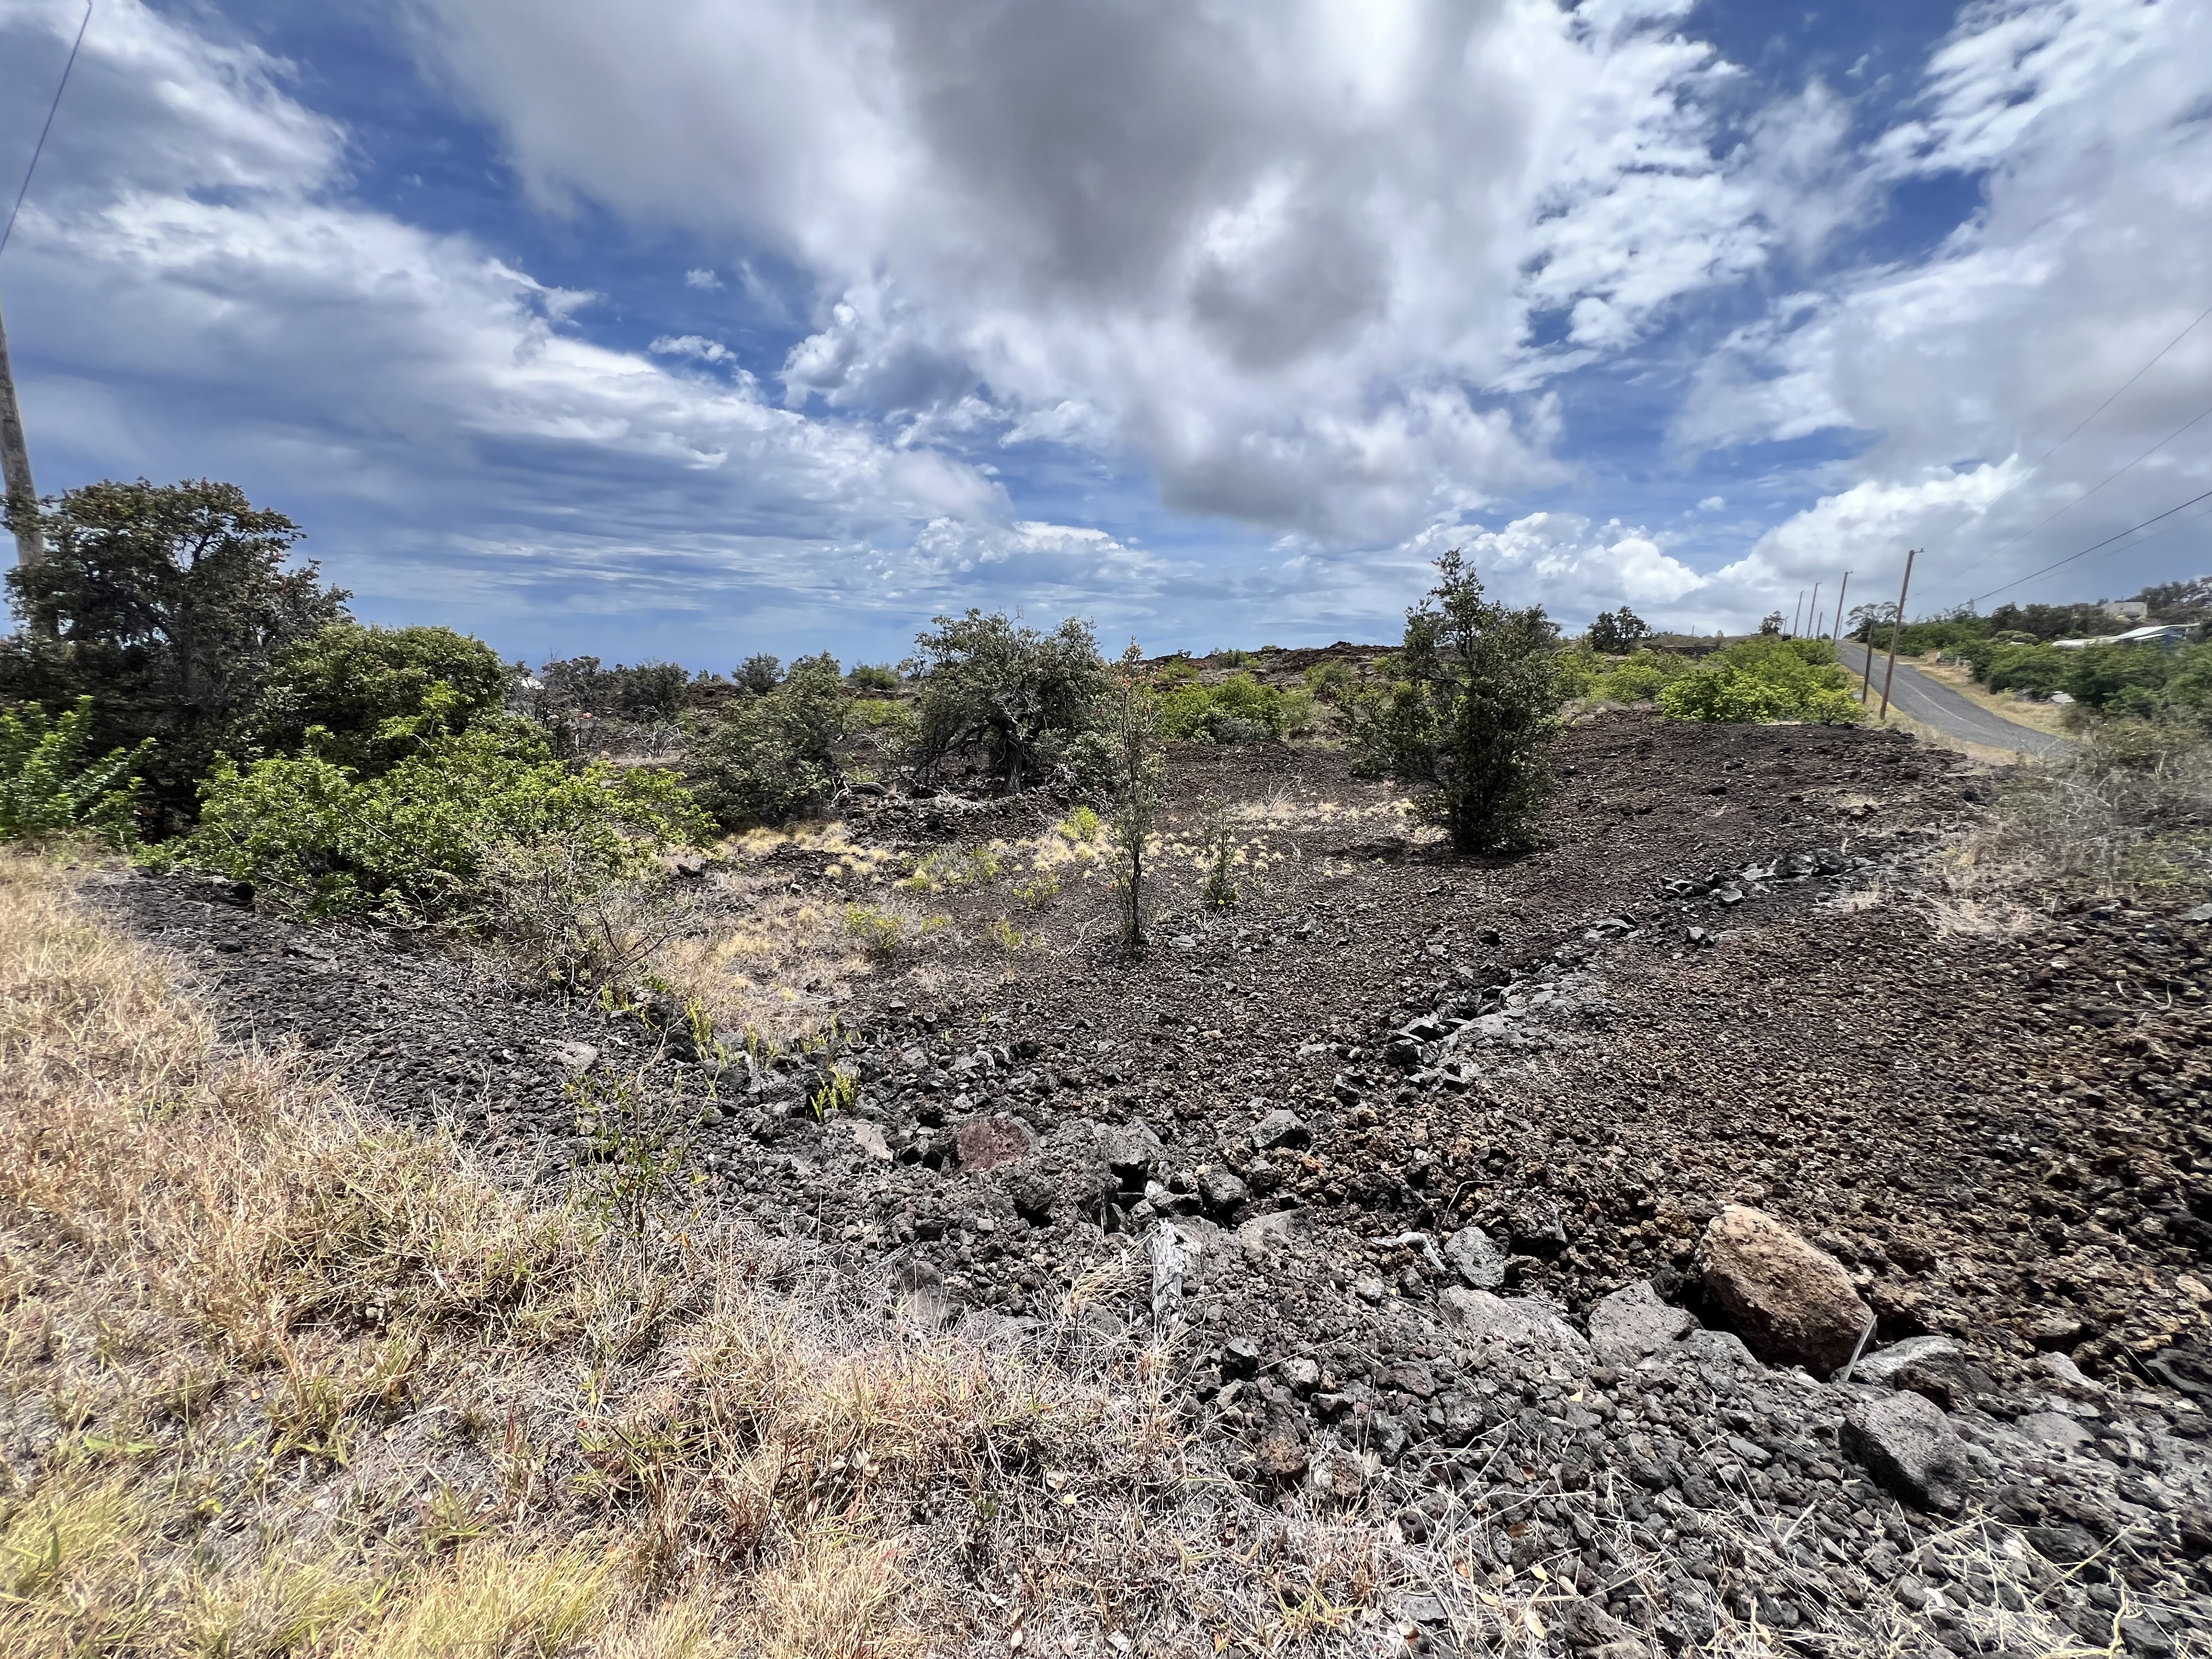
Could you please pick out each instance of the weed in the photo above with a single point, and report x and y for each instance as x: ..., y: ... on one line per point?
x: 1218, y: 844
x: 956, y: 867
x: 840, y: 1091
x: 1007, y: 937
x: 1082, y: 827
x: 1036, y: 894
x: 637, y: 1145
x: 884, y: 932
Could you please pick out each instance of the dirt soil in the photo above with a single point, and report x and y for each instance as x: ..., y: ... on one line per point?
x: 1739, y: 970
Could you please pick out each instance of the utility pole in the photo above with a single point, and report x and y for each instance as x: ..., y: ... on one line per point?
x: 1798, y: 615
x: 1840, y: 593
x: 1813, y: 611
x: 22, y: 496
x: 1896, y: 628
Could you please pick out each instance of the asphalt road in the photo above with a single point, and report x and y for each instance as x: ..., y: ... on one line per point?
x: 1935, y: 704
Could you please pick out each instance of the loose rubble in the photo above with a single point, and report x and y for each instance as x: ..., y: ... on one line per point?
x: 1675, y: 1210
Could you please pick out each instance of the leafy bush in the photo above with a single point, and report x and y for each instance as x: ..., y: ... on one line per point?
x: 1765, y: 678
x: 1330, y: 681
x: 648, y: 694
x: 1006, y: 698
x: 414, y: 842
x: 47, y: 787
x: 1614, y: 633
x: 1081, y: 827
x: 2036, y: 670
x: 874, y: 676
x: 358, y: 694
x: 1471, y: 713
x: 1241, y: 709
x: 163, y: 603
x: 1640, y: 678
x: 760, y: 673
x: 779, y: 756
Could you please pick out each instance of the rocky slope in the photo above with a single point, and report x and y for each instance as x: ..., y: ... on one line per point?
x: 1425, y: 1169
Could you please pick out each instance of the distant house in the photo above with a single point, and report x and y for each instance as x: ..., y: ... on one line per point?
x: 2166, y: 635
x: 2124, y: 610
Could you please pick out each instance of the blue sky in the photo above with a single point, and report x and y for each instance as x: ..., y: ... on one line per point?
x: 684, y: 328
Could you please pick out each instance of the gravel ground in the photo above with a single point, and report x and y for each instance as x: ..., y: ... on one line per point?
x: 1736, y: 974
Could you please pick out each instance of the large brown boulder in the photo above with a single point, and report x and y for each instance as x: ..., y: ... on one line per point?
x: 1790, y: 1301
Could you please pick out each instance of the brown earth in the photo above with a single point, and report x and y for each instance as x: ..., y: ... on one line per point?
x: 1740, y: 970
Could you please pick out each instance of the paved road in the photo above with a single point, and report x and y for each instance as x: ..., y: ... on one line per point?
x: 1935, y: 704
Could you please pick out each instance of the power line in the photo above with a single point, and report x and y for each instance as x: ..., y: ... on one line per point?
x: 2094, y: 546
x: 2086, y: 494
x: 39, y: 149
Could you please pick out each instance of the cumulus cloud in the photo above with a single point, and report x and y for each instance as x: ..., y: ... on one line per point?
x: 2086, y: 120
x: 1300, y: 262
x: 174, y: 286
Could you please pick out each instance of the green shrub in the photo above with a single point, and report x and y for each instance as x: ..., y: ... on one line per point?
x: 1471, y: 714
x: 47, y: 786
x: 1241, y: 709
x: 779, y: 756
x: 358, y: 694
x: 760, y: 673
x: 1640, y: 678
x: 1765, y: 678
x: 1004, y: 697
x: 874, y: 676
x: 1330, y: 681
x: 1081, y: 827
x: 956, y: 866
x: 2038, y: 670
x: 414, y: 842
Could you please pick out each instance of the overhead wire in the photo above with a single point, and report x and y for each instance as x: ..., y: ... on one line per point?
x: 39, y: 149
x: 2094, y: 546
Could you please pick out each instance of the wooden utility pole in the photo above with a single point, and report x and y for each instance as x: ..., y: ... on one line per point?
x: 1840, y: 593
x: 1798, y: 615
x: 1896, y: 627
x: 1813, y: 611
x: 22, y: 496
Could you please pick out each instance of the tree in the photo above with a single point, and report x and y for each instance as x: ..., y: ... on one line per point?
x: 163, y: 603
x: 1614, y: 633
x: 1770, y: 623
x: 366, y: 697
x: 1871, y: 622
x: 1470, y: 712
x: 1006, y: 696
x: 1131, y: 731
x: 777, y: 756
x: 760, y: 673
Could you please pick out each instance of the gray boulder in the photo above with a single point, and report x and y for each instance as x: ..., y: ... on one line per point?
x: 1280, y: 1127
x: 1523, y: 1322
x: 1633, y: 1324
x: 1909, y: 1446
x: 1477, y: 1258
x: 1883, y: 1365
x: 1220, y: 1190
x: 1791, y: 1301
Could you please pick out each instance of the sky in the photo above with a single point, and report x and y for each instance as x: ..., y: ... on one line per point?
x: 682, y: 329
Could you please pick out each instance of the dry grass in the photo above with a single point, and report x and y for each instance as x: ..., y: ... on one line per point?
x: 2129, y: 811
x: 2049, y: 718
x: 278, y: 1379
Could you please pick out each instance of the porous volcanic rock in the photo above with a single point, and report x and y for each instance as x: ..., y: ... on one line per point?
x: 1791, y: 1301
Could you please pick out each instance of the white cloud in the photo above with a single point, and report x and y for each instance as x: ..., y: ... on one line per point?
x: 699, y: 279
x: 691, y: 345
x: 173, y: 288
x: 2086, y: 257
x: 1276, y: 254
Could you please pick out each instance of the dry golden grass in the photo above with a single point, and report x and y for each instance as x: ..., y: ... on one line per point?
x: 277, y: 1379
